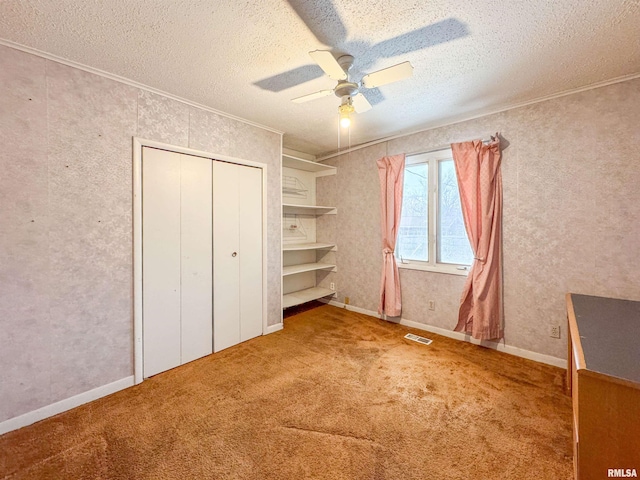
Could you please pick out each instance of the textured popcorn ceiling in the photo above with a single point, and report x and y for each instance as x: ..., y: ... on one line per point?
x: 217, y: 53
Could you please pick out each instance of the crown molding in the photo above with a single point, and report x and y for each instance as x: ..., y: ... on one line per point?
x: 141, y: 86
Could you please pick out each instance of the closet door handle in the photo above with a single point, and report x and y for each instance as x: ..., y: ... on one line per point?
x: 234, y: 254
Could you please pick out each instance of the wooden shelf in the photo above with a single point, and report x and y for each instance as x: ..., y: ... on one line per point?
x: 306, y: 295
x: 308, y: 209
x: 307, y: 267
x: 292, y: 247
x: 308, y: 166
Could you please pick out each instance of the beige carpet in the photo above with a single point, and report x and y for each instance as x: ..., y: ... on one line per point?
x: 335, y: 395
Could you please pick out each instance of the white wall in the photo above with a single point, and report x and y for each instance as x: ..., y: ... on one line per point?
x: 571, y: 174
x: 66, y: 220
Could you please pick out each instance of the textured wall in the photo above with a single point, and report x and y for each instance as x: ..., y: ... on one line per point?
x: 571, y: 174
x: 66, y: 220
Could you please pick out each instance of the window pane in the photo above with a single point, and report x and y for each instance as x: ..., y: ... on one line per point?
x: 413, y: 238
x: 453, y: 244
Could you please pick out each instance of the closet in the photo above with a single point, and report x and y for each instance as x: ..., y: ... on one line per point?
x: 201, y: 257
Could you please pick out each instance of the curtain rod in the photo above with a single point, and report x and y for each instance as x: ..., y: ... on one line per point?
x: 382, y: 140
x: 441, y: 148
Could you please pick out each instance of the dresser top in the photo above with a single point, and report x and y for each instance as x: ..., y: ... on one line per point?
x: 609, y: 334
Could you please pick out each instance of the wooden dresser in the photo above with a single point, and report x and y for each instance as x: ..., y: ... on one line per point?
x: 603, y: 379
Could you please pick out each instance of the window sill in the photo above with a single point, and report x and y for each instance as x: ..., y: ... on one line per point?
x: 447, y: 269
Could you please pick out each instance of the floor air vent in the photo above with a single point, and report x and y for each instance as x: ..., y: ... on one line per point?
x: 416, y: 338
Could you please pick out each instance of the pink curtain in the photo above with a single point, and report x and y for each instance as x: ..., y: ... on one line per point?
x: 480, y: 184
x: 391, y: 172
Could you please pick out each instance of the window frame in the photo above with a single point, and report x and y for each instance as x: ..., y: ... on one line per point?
x: 432, y: 159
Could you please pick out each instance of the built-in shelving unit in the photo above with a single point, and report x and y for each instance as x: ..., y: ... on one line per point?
x: 304, y: 259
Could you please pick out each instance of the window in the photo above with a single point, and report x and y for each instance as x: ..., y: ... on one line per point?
x: 432, y: 234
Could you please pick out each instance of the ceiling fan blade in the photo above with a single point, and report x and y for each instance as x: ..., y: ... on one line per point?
x: 312, y: 96
x: 428, y: 36
x: 388, y: 75
x: 329, y: 64
x: 360, y: 103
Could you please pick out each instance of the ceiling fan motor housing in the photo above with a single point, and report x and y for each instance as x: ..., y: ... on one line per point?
x: 346, y: 88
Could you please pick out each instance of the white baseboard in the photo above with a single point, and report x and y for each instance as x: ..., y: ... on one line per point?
x: 64, y: 405
x: 501, y: 347
x: 274, y: 328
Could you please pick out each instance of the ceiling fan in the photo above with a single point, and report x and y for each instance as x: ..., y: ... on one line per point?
x: 347, y: 89
x: 324, y: 21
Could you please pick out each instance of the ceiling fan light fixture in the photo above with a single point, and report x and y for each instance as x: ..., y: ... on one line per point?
x: 345, y: 110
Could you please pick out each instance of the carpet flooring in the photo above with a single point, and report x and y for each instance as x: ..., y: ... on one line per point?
x: 335, y: 395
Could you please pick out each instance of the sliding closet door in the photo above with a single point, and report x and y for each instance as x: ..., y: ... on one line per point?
x: 161, y: 260
x: 250, y: 212
x: 226, y: 256
x: 196, y: 248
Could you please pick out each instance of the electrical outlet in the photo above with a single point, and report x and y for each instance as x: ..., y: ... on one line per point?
x: 347, y: 300
x: 554, y: 331
x: 332, y: 286
x: 432, y: 305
